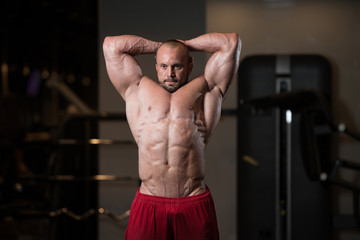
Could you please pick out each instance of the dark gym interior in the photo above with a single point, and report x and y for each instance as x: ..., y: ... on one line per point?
x: 288, y: 138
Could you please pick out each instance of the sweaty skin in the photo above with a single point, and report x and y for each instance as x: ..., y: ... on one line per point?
x: 172, y: 120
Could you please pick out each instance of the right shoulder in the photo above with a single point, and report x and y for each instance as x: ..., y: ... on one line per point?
x: 123, y: 70
x: 145, y: 88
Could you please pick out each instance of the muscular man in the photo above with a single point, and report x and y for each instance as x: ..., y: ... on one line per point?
x: 171, y: 123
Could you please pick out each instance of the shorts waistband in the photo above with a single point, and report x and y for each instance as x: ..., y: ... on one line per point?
x: 169, y: 200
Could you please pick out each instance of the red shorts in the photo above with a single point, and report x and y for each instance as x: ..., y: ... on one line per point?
x: 162, y: 218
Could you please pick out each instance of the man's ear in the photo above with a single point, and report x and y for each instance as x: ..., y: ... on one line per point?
x: 191, y: 64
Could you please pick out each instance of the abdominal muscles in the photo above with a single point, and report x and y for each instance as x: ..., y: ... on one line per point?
x: 171, y: 156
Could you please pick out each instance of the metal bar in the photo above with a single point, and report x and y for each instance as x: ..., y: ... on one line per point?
x: 68, y: 93
x: 69, y: 213
x: 351, y: 165
x: 278, y: 217
x: 95, y: 141
x: 288, y: 175
x: 283, y: 84
x: 66, y: 178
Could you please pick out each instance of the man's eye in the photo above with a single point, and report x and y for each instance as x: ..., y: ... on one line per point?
x: 163, y: 66
x: 177, y: 66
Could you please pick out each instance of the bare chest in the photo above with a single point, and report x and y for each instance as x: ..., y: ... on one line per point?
x: 159, y: 105
x: 154, y: 111
x: 172, y: 109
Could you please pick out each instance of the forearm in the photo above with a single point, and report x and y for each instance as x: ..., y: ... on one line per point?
x: 224, y: 61
x: 214, y: 42
x: 129, y: 44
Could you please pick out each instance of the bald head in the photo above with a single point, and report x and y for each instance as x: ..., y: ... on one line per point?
x: 173, y: 43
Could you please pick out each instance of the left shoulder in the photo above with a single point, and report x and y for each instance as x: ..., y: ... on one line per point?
x: 197, y: 84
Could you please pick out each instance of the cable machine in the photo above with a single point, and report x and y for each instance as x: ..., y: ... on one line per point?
x: 285, y: 127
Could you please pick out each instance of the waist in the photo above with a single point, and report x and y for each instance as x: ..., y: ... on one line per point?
x: 205, y: 194
x: 172, y: 189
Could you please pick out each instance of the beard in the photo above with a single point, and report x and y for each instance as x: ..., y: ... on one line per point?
x: 173, y: 87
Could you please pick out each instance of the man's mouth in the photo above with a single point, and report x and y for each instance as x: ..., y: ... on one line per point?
x: 171, y: 80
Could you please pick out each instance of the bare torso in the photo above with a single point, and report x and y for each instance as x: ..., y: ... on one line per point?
x: 171, y: 132
x: 172, y: 129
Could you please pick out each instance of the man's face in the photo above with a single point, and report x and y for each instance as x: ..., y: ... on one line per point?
x: 173, y: 67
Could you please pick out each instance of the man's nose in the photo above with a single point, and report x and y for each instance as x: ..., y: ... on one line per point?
x: 170, y: 72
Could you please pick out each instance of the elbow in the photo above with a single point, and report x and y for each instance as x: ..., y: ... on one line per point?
x: 231, y: 43
x: 108, y: 42
x: 235, y: 46
x: 109, y: 46
x: 238, y: 42
x: 234, y: 41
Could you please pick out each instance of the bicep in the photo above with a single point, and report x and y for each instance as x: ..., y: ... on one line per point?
x: 219, y: 71
x: 123, y: 71
x: 222, y: 65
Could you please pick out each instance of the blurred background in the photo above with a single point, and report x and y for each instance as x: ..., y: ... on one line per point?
x: 68, y: 161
